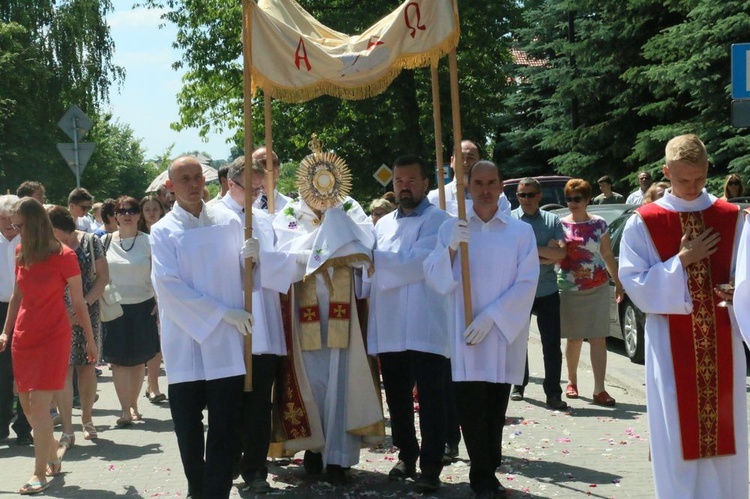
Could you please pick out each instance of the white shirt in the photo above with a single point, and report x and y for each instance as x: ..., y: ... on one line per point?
x: 8, y: 266
x: 451, y: 203
x: 85, y: 224
x: 197, y: 276
x: 279, y: 202
x: 268, y: 329
x: 130, y: 271
x: 404, y: 311
x: 635, y: 197
x: 504, y: 268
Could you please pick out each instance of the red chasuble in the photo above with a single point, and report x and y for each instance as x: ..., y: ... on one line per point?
x: 701, y: 342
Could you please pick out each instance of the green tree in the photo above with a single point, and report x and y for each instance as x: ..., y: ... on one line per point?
x: 52, y: 54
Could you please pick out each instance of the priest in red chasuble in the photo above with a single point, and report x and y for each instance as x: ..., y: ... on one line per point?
x: 674, y: 253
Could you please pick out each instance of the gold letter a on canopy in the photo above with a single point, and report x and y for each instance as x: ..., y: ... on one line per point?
x: 296, y: 58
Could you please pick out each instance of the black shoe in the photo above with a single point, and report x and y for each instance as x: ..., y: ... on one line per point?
x: 517, y: 394
x: 336, y: 475
x: 257, y: 485
x: 4, y: 434
x: 500, y: 492
x: 24, y: 439
x: 450, y: 454
x: 313, y: 462
x: 403, y: 470
x: 427, y: 482
x: 556, y: 404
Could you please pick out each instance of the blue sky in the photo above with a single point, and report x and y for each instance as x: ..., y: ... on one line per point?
x: 147, y: 99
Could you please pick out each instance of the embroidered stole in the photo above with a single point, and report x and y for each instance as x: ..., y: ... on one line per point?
x: 339, y: 310
x: 701, y: 342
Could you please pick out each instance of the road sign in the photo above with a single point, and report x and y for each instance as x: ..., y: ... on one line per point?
x: 75, y: 123
x: 741, y: 71
x: 68, y: 151
x: 383, y: 175
x: 741, y: 113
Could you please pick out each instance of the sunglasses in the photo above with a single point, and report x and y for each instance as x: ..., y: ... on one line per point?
x: 127, y: 211
x: 85, y: 207
x: 734, y: 182
x: 573, y: 199
x: 524, y: 195
x: 17, y: 226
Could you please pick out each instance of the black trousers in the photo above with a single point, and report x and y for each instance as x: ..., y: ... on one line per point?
x: 400, y: 370
x: 481, y: 411
x: 21, y: 426
x: 452, y: 426
x: 255, y: 424
x: 547, y: 311
x: 207, y: 464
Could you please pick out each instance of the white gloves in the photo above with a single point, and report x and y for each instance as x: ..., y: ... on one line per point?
x: 303, y: 257
x: 240, y: 319
x: 459, y: 235
x: 478, y: 329
x: 251, y: 249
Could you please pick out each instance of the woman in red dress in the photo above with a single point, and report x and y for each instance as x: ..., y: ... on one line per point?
x: 38, y: 321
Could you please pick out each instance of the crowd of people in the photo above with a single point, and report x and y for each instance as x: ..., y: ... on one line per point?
x: 343, y: 301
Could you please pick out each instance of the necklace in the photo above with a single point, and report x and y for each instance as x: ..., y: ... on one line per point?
x: 131, y: 246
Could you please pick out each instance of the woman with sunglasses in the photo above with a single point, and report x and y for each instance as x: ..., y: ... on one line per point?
x: 94, y: 276
x: 733, y: 187
x: 584, y: 289
x: 152, y: 210
x: 41, y: 332
x: 132, y: 339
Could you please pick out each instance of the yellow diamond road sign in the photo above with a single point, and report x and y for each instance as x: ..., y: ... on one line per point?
x: 383, y: 175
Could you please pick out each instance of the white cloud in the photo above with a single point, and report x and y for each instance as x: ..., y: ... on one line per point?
x: 136, y: 18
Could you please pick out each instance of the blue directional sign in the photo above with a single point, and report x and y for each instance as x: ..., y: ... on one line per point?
x: 741, y: 71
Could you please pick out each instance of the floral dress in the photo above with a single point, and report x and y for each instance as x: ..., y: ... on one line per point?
x: 86, y: 263
x: 583, y: 267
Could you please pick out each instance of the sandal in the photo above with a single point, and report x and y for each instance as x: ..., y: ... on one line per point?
x: 571, y: 391
x: 67, y: 440
x: 35, y: 487
x: 89, y: 431
x: 155, y: 399
x: 54, y: 468
x: 603, y: 398
x: 123, y: 422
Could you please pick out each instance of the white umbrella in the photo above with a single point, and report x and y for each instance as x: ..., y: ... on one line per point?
x: 209, y: 172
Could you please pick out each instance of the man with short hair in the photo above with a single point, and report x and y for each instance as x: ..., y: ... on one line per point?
x: 196, y: 271
x: 269, y: 345
x: 10, y: 238
x: 470, y: 154
x: 405, y: 328
x: 222, y: 172
x: 80, y: 202
x: 109, y: 223
x: 644, y: 181
x: 279, y: 200
x: 550, y: 244
x: 608, y: 196
x: 673, y: 254
x: 32, y: 189
x: 488, y: 355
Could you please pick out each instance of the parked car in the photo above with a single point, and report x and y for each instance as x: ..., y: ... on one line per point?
x: 553, y: 191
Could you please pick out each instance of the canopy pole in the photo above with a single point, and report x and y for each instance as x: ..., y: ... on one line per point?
x: 247, y: 59
x: 458, y: 166
x: 438, y: 133
x: 270, y: 173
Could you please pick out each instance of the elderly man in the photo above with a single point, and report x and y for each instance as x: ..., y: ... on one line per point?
x: 470, y: 154
x: 279, y: 200
x: 80, y: 202
x: 672, y: 256
x: 269, y: 345
x: 551, y: 248
x: 405, y: 328
x: 644, y: 182
x: 196, y: 252
x: 9, y: 241
x: 488, y: 355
